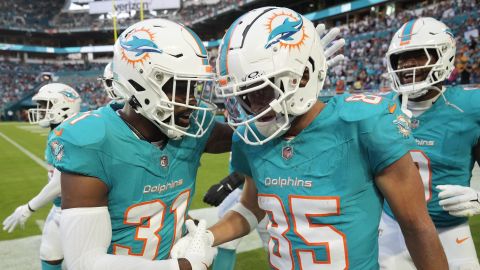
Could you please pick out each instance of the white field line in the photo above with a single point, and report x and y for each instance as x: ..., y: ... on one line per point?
x: 36, y: 159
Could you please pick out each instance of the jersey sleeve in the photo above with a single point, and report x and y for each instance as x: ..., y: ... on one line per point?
x: 48, y: 156
x: 77, y: 148
x: 239, y: 162
x: 386, y: 138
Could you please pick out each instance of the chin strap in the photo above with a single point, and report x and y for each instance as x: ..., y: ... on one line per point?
x: 441, y: 90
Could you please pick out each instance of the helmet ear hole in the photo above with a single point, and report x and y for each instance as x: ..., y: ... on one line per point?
x: 137, y: 86
x: 305, y: 78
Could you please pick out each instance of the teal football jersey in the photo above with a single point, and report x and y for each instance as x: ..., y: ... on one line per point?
x: 48, y: 157
x: 445, y: 137
x: 149, y: 189
x: 318, y: 189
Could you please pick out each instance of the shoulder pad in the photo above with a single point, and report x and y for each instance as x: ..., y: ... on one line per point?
x: 358, y: 107
x: 467, y: 98
x: 84, y: 129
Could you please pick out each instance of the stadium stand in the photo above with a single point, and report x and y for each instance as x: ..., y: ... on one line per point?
x: 368, y: 40
x: 368, y: 36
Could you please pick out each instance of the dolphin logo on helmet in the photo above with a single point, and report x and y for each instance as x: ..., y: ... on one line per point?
x: 285, y: 31
x: 140, y: 46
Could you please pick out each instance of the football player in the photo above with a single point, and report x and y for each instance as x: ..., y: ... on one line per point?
x: 116, y: 95
x: 446, y: 126
x: 128, y: 173
x: 318, y: 171
x: 55, y: 103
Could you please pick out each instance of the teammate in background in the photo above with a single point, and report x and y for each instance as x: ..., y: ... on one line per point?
x: 317, y: 170
x: 115, y: 95
x: 55, y: 103
x: 446, y: 126
x: 128, y: 173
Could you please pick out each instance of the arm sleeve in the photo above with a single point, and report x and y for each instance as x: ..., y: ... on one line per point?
x: 49, y: 192
x: 86, y: 234
x: 386, y: 139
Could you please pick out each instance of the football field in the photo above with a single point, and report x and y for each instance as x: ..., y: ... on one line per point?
x: 22, y: 176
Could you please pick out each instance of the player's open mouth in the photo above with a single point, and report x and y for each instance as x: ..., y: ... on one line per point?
x: 268, y: 117
x: 408, y: 77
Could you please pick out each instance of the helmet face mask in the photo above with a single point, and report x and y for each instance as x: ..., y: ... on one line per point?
x: 107, y: 81
x: 55, y: 102
x: 273, y: 54
x: 430, y: 40
x: 417, y: 78
x: 166, y: 80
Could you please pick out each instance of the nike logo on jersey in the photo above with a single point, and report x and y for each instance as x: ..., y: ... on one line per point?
x: 391, y: 108
x: 459, y: 241
x: 58, y: 132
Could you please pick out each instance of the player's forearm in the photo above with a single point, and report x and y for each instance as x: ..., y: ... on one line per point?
x: 424, y: 246
x: 49, y: 192
x: 86, y: 235
x: 231, y: 226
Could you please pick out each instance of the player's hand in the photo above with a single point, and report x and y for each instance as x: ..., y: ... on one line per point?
x: 218, y: 192
x: 199, y: 252
x: 180, y: 247
x: 330, y: 45
x: 459, y: 201
x: 19, y: 217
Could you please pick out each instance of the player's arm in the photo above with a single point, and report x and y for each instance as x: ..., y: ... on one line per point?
x: 461, y: 201
x: 86, y: 230
x: 45, y: 196
x: 220, y: 140
x: 241, y: 219
x: 401, y: 185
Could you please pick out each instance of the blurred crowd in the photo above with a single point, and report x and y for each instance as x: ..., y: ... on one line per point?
x: 28, y: 14
x: 368, y: 40
x: 43, y: 15
x: 364, y: 67
x: 19, y: 80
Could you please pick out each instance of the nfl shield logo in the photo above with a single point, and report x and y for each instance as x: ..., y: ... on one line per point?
x: 287, y: 152
x: 415, y: 123
x: 164, y: 161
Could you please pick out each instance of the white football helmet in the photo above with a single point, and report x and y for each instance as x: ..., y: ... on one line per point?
x: 107, y: 81
x: 157, y: 58
x: 55, y: 102
x: 435, y: 39
x: 270, y: 48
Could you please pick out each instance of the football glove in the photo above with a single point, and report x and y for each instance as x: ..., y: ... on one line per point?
x: 459, y: 201
x: 218, y: 192
x: 196, y: 246
x: 330, y: 46
x: 19, y: 217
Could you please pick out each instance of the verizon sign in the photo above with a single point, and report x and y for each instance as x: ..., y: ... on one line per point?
x: 99, y: 7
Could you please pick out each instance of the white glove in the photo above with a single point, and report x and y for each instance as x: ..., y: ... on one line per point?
x: 20, y: 216
x: 459, y: 201
x: 330, y: 46
x: 198, y: 248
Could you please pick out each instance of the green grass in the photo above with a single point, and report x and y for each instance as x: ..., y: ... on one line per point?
x: 21, y: 179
